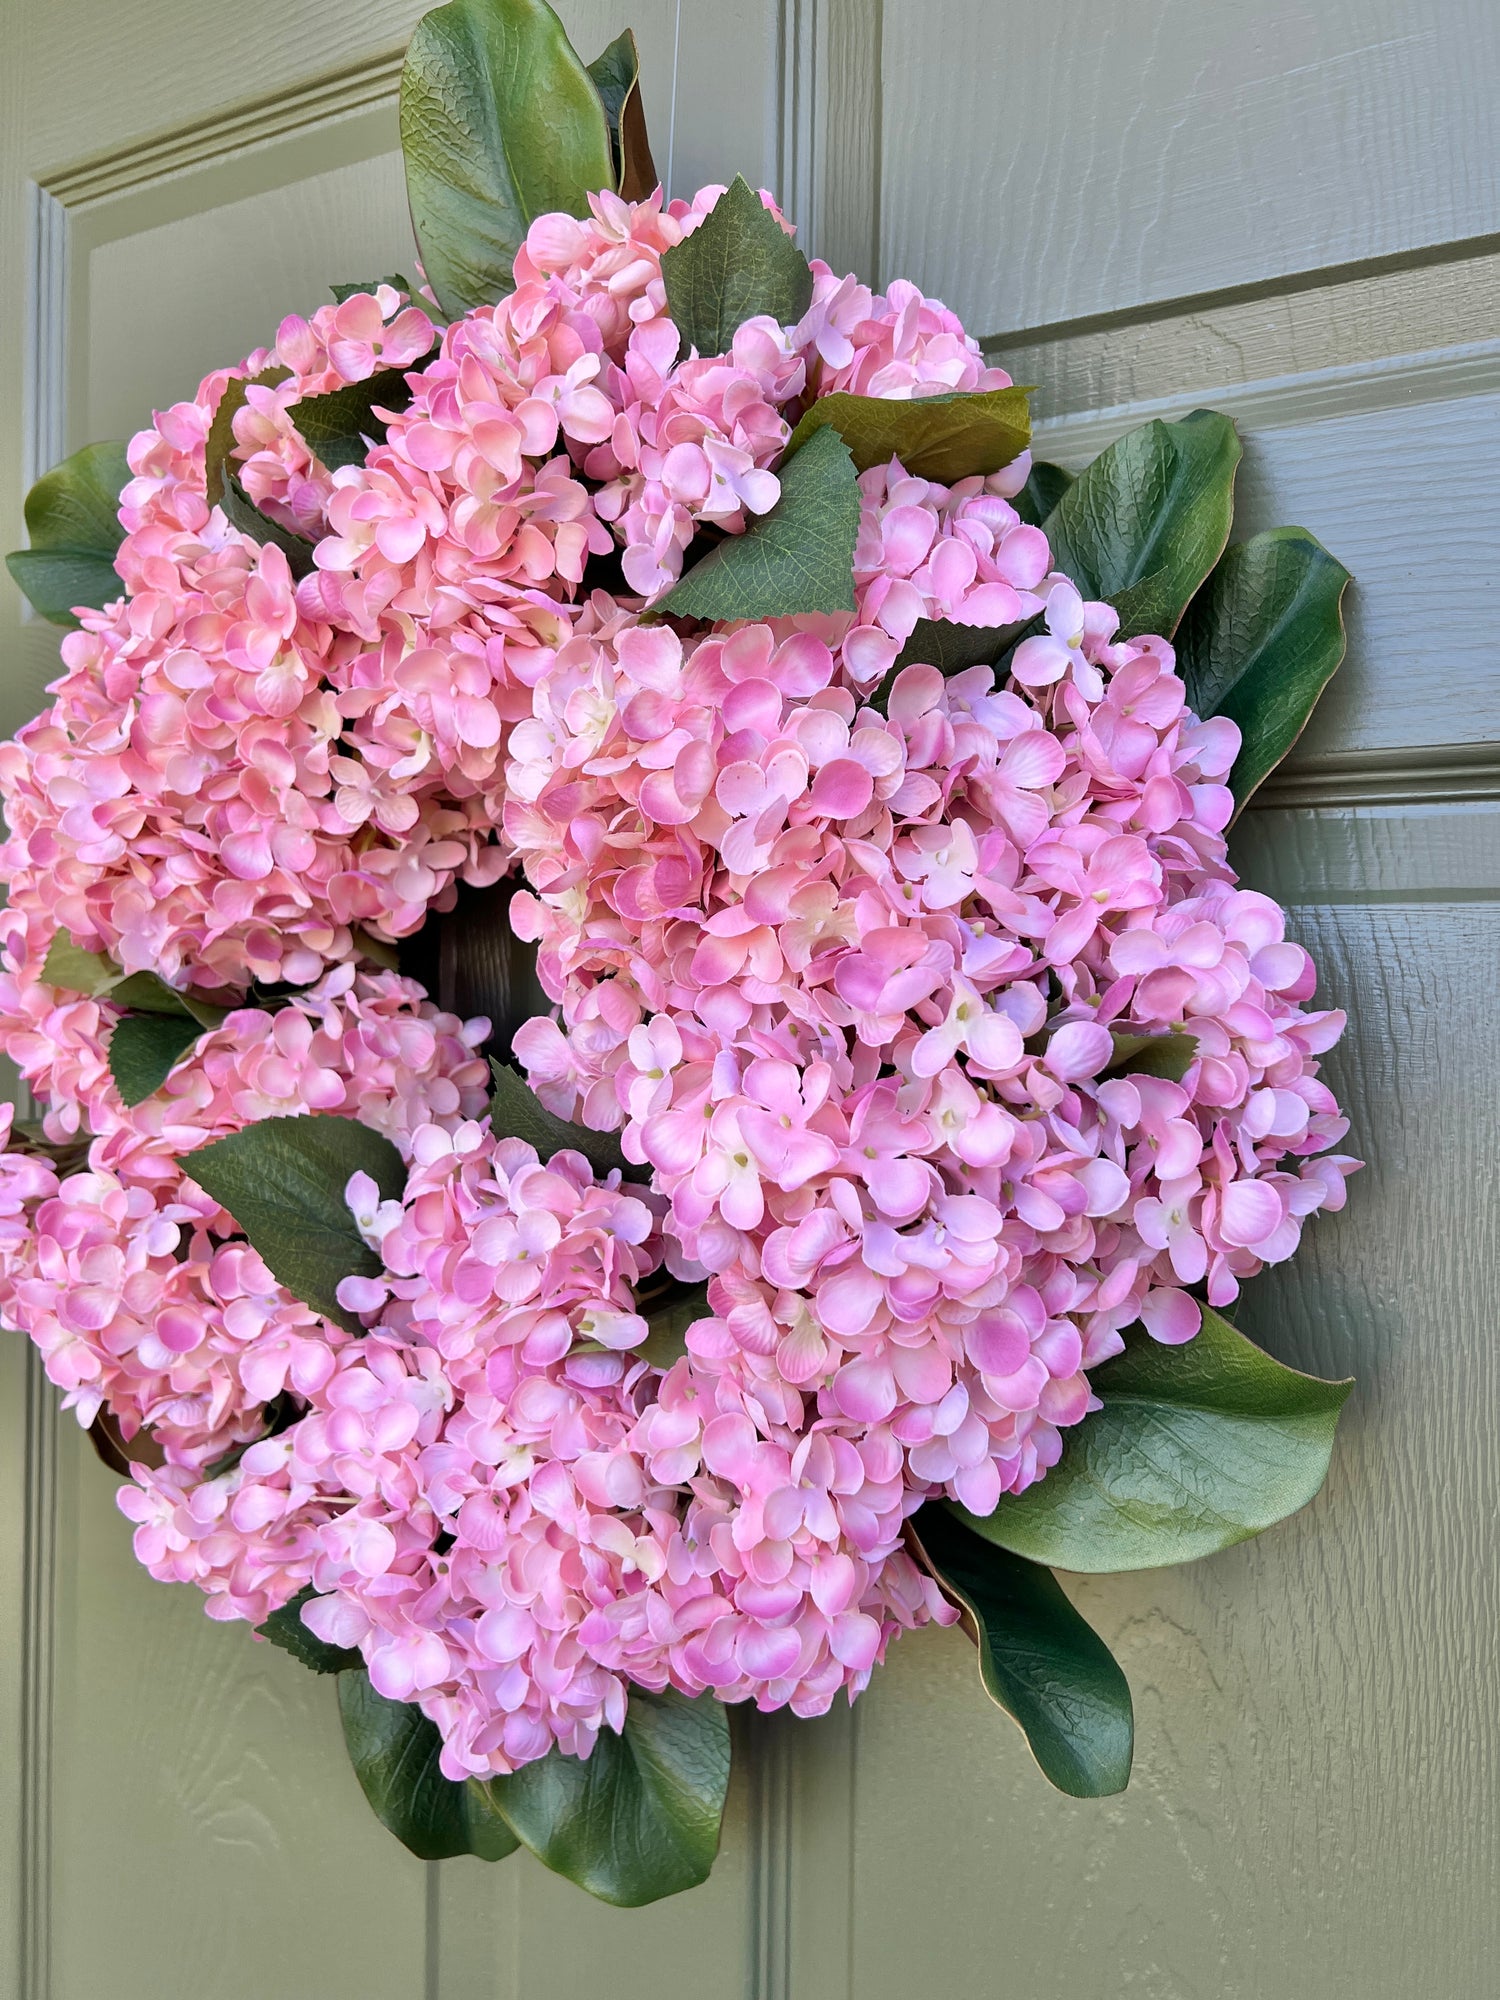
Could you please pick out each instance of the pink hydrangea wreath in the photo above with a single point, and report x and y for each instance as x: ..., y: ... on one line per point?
x: 920, y: 1041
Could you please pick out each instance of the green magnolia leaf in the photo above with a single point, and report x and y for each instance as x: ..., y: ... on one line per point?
x: 367, y: 287
x: 73, y: 524
x: 668, y: 1316
x: 1038, y: 1658
x: 1196, y: 1448
x: 1146, y: 522
x: 1169, y: 1056
x: 342, y: 426
x: 1260, y: 643
x: 143, y: 1049
x: 1045, y: 486
x: 284, y: 1628
x: 242, y: 513
x: 738, y: 264
x: 639, y: 1819
x: 283, y: 1182
x: 500, y: 123
x: 220, y: 441
x: 935, y: 437
x: 617, y: 78
x: 394, y: 1750
x: 799, y: 557
x: 516, y: 1112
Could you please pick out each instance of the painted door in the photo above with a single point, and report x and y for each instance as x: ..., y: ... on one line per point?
x: 1289, y: 212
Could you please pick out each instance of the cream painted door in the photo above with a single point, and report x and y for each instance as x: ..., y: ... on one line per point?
x: 1291, y: 211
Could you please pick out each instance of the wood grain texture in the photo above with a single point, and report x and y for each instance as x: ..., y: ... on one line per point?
x: 1042, y: 164
x: 199, y: 1771
x: 513, y: 1931
x: 1199, y: 351
x: 1314, y: 1805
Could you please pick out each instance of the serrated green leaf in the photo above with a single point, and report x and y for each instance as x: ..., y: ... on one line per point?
x: 284, y: 1628
x: 148, y: 993
x: 219, y: 444
x: 516, y: 1112
x: 73, y: 525
x: 1146, y: 522
x: 1045, y: 486
x: 342, y: 426
x: 283, y: 1181
x: 946, y: 438
x: 1261, y: 641
x: 367, y: 287
x: 617, y: 78
x: 394, y: 1750
x: 88, y: 972
x: 797, y: 558
x: 1196, y: 1448
x: 950, y: 647
x: 738, y: 264
x: 639, y: 1819
x: 143, y: 1050
x: 1170, y: 1056
x: 500, y: 123
x: 242, y: 514
x: 1038, y: 1658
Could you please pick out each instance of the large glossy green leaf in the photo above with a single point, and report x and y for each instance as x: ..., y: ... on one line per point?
x: 394, y: 1750
x: 516, y: 1112
x: 1045, y: 486
x: 144, y: 1047
x: 1146, y: 522
x: 500, y: 123
x: 738, y: 264
x: 1260, y: 643
x: 1196, y: 1448
x: 799, y: 557
x: 617, y: 78
x: 283, y: 1181
x: 342, y: 426
x: 947, y: 438
x: 1043, y: 1663
x: 284, y: 1628
x: 73, y: 524
x: 639, y: 1819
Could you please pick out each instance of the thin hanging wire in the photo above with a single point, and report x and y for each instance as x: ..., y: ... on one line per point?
x: 672, y: 124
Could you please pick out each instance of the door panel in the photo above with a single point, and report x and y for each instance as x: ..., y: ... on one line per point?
x: 1046, y: 164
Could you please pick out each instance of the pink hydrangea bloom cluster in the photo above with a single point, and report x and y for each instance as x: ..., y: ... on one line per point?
x: 138, y: 1290
x: 852, y: 983
x: 239, y: 773
x: 928, y: 1009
